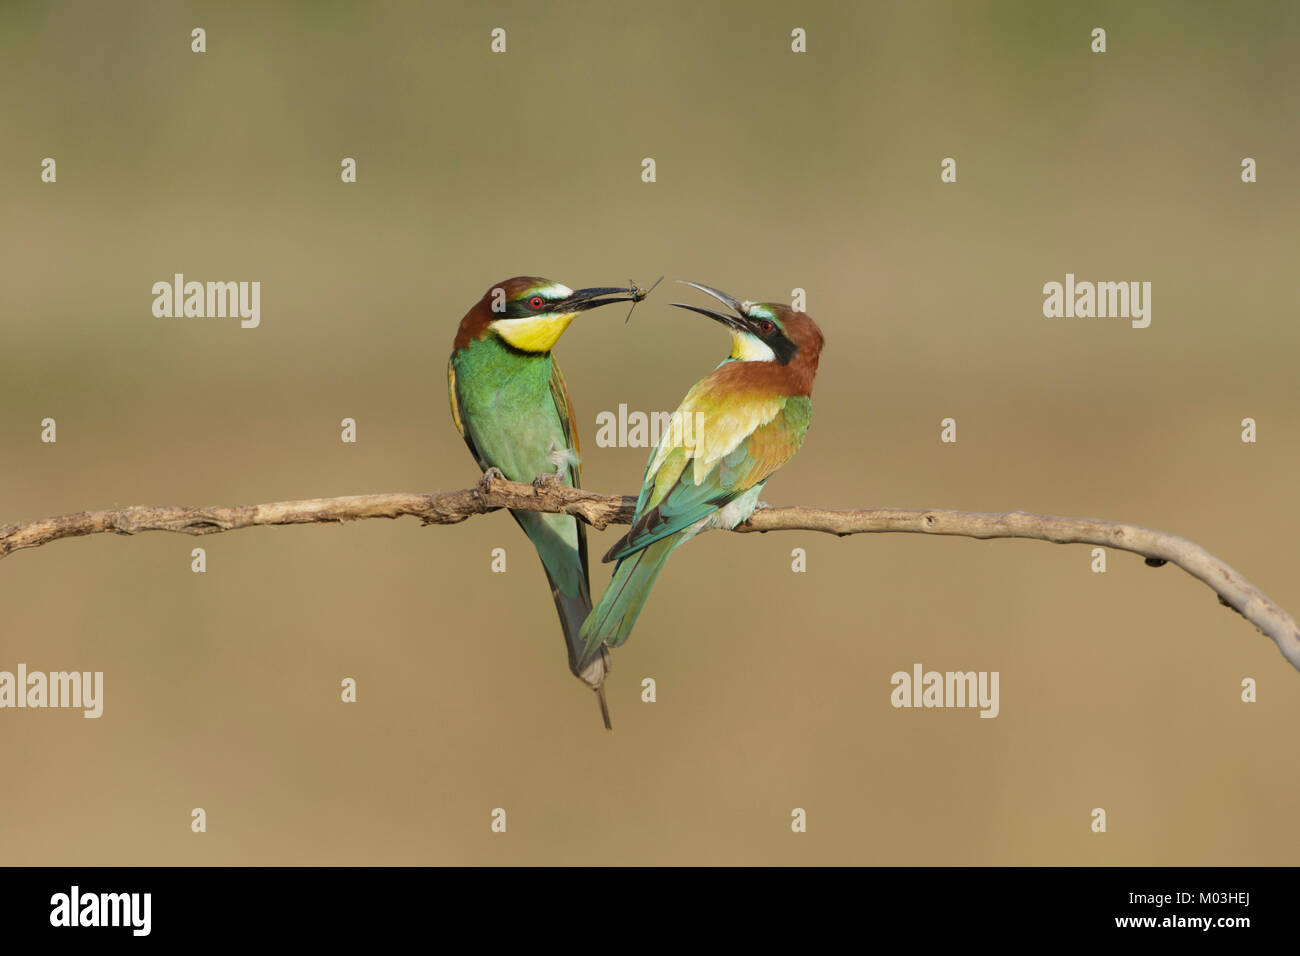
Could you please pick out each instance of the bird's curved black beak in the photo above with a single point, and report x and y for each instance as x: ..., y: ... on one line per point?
x: 585, y: 299
x: 739, y: 321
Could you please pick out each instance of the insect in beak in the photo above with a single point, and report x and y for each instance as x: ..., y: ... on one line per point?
x: 638, y: 294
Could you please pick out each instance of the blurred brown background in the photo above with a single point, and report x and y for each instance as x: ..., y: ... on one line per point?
x: 775, y: 170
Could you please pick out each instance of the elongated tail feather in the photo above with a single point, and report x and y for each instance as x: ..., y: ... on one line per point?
x: 573, y: 614
x: 573, y: 610
x: 554, y: 537
x: 612, y: 620
x: 561, y: 544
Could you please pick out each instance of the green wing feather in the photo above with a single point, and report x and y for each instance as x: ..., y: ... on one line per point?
x: 671, y: 500
x: 564, y: 407
x: 455, y: 412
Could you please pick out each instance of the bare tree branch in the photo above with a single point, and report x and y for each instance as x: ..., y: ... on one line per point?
x: 599, y: 511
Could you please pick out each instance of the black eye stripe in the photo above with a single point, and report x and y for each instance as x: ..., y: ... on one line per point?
x: 528, y: 306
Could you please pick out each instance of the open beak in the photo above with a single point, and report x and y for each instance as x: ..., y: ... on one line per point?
x: 585, y: 299
x: 739, y: 321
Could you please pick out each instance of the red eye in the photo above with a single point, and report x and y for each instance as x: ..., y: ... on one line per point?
x: 535, y: 302
x: 766, y: 327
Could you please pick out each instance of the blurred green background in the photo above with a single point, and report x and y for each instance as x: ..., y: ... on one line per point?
x: 775, y: 171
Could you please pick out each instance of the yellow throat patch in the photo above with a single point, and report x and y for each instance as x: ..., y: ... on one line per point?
x: 533, y: 333
x: 748, y: 348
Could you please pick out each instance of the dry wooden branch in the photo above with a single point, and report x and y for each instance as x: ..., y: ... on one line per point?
x: 599, y: 511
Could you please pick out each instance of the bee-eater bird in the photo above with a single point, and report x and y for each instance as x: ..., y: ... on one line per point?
x: 734, y: 428
x: 510, y: 404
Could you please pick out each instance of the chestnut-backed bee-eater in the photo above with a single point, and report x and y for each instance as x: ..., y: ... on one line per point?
x: 511, y: 406
x: 734, y: 428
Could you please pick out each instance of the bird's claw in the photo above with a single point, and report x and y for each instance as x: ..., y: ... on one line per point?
x: 490, y: 475
x: 546, y: 480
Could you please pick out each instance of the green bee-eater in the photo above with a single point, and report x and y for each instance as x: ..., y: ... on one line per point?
x: 511, y: 406
x: 734, y: 428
